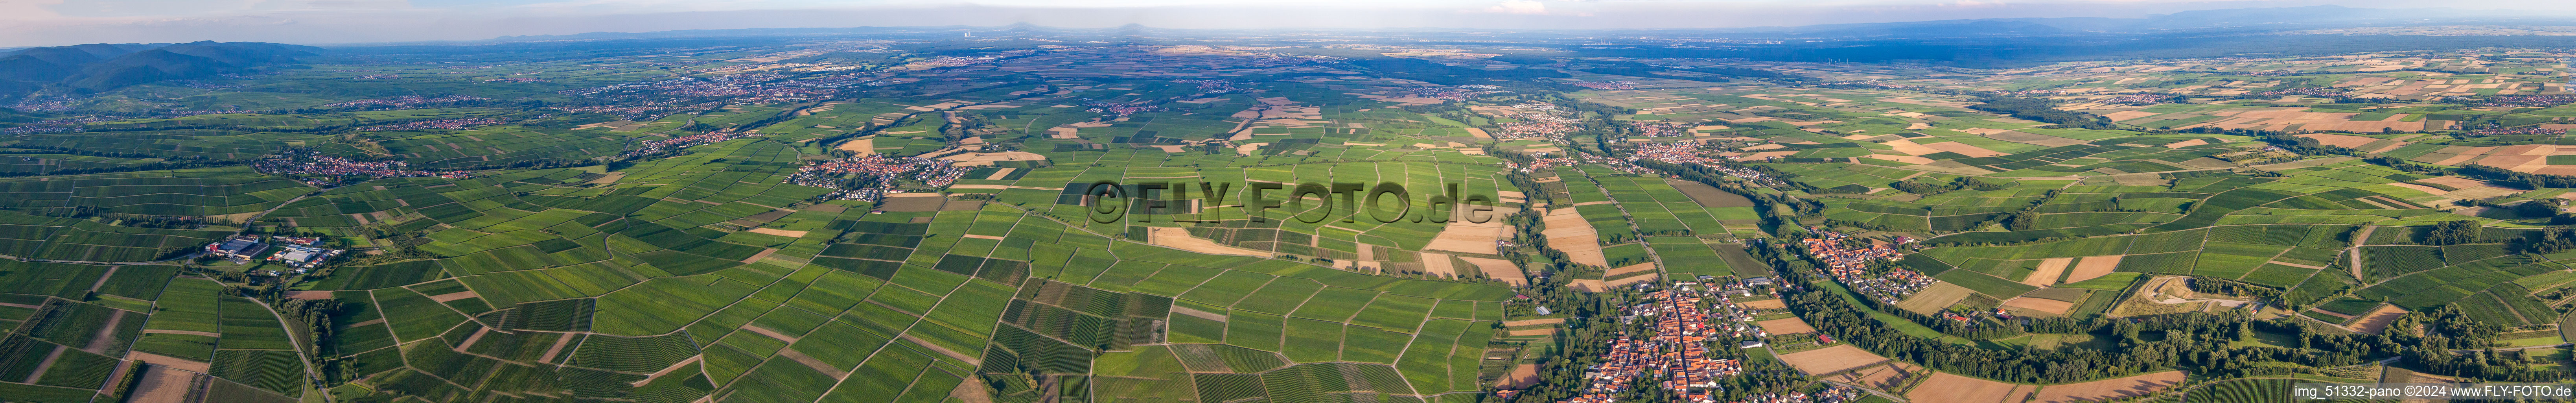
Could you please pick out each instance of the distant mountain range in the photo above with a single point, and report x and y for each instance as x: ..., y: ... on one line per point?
x: 2240, y: 20
x: 103, y: 66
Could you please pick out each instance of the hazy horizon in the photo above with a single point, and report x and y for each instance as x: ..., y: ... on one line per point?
x: 60, y: 22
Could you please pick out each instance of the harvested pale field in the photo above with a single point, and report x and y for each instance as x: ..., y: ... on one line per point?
x: 863, y: 146
x: 1963, y: 149
x: 980, y: 159
x: 2186, y: 143
x: 1762, y: 147
x: 1179, y: 238
x: 1790, y: 325
x: 177, y: 363
x: 1624, y: 281
x: 161, y: 385
x: 1935, y: 297
x: 1624, y: 271
x: 1902, y: 158
x: 1588, y: 285
x: 2421, y: 188
x: 2340, y: 140
x: 1497, y: 269
x: 1948, y: 388
x: 2049, y: 270
x: 1767, y: 304
x: 1831, y: 359
x: 778, y: 232
x: 2040, y: 304
x: 2093, y: 266
x: 1479, y: 133
x: 2377, y: 319
x: 1436, y: 263
x: 2127, y: 115
x: 2110, y: 389
x: 1769, y: 155
x: 1885, y: 378
x: 2461, y: 155
x: 1909, y: 148
x: 2482, y: 192
x: 1528, y: 322
x: 1568, y: 232
x: 2206, y: 163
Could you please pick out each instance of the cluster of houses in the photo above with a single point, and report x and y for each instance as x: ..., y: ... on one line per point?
x: 1850, y: 265
x: 297, y: 253
x: 1657, y: 128
x: 1543, y: 161
x: 1831, y: 394
x: 337, y: 171
x: 1542, y: 125
x: 1677, y: 353
x: 2499, y: 130
x: 658, y: 146
x: 2306, y: 91
x: 1607, y: 85
x: 2541, y: 101
x: 1686, y: 152
x: 450, y: 124
x: 878, y: 175
x: 403, y: 102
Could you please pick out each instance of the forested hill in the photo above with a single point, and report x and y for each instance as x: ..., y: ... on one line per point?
x: 100, y: 66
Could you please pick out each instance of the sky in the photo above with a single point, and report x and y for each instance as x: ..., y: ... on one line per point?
x: 319, y: 22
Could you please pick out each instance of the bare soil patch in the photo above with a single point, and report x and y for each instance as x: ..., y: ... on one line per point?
x: 2049, y: 270
x: 2378, y: 319
x: 979, y: 159
x: 1791, y: 325
x: 1179, y: 238
x: 2110, y: 389
x: 1948, y: 388
x: 1767, y: 304
x: 862, y: 146
x: 1528, y: 322
x: 442, y: 298
x: 2040, y: 304
x: 1568, y: 232
x: 771, y: 333
x: 1435, y: 263
x: 182, y: 364
x: 1521, y: 376
x: 2340, y: 140
x: 1469, y: 237
x: 1831, y: 359
x: 1885, y: 378
x: 2092, y: 267
x: 1497, y: 269
x: 161, y: 385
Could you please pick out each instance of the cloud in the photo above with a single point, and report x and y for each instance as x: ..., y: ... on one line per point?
x: 1523, y: 7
